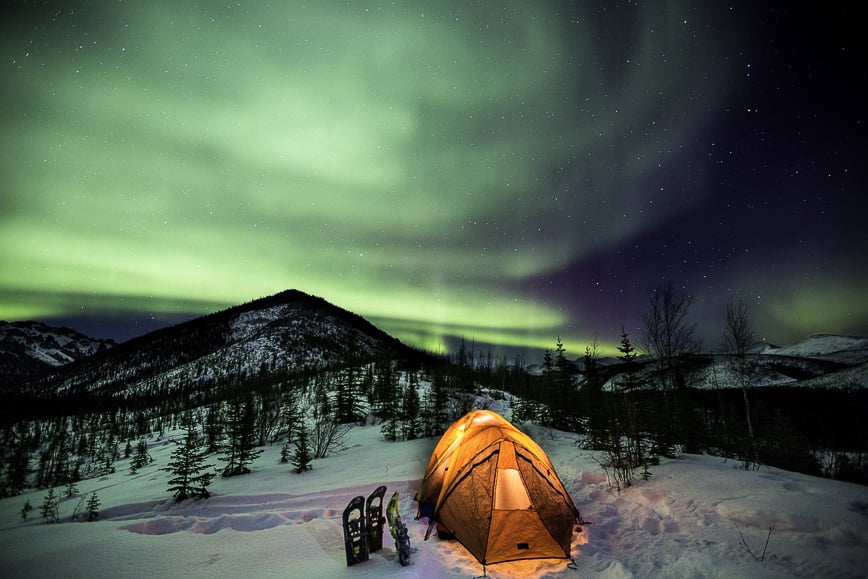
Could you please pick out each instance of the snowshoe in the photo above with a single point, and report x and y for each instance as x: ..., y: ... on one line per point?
x: 374, y: 510
x: 355, y: 531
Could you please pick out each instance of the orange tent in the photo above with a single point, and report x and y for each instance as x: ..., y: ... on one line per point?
x: 495, y: 490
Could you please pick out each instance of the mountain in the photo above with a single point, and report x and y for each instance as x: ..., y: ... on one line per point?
x: 284, y: 334
x: 29, y: 349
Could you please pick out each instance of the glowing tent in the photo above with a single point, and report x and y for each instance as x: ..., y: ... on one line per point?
x: 494, y: 489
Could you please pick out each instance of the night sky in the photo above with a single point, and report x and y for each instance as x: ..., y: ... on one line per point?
x: 505, y: 172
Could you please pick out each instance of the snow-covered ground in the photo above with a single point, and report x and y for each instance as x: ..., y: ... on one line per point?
x: 696, y: 517
x: 845, y: 349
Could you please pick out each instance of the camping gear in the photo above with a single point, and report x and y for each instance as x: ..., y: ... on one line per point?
x: 355, y: 531
x: 494, y: 489
x: 374, y: 513
x: 399, y: 531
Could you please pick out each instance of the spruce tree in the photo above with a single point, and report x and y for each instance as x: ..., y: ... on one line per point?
x: 627, y: 386
x: 213, y: 430
x: 565, y: 408
x: 48, y: 509
x: 239, y: 448
x: 71, y: 486
x: 17, y: 468
x: 593, y: 399
x: 92, y: 508
x: 301, y: 459
x: 389, y: 412
x: 190, y: 475
x: 389, y: 404
x: 290, y: 419
x: 410, y: 410
x: 348, y: 397
x: 439, y: 402
x: 141, y: 458
x: 26, y: 510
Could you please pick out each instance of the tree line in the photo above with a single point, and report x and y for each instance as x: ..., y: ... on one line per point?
x: 638, y: 410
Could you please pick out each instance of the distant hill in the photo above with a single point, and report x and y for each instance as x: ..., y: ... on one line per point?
x: 819, y: 361
x: 844, y: 349
x: 29, y: 349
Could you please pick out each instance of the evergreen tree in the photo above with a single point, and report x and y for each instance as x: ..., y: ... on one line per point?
x: 239, y: 448
x: 141, y: 458
x: 290, y: 419
x: 433, y: 410
x: 549, y: 395
x: 48, y: 510
x: 348, y: 397
x: 385, y: 388
x: 565, y: 408
x: 390, y: 415
x: 301, y: 459
x: 213, y: 429
x: 190, y: 476
x: 627, y: 386
x: 389, y: 404
x: 440, y: 389
x: 593, y: 400
x: 410, y: 409
x: 71, y: 486
x: 26, y: 510
x: 92, y: 508
x: 17, y: 467
x: 548, y: 367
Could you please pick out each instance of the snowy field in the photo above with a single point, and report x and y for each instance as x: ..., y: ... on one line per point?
x: 696, y: 517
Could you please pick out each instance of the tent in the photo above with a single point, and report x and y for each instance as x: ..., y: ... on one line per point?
x: 494, y: 489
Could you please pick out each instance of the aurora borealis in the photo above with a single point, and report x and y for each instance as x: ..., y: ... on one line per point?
x: 506, y: 172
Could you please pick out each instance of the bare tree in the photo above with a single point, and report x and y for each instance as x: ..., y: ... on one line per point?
x: 667, y: 332
x: 667, y: 337
x: 738, y: 339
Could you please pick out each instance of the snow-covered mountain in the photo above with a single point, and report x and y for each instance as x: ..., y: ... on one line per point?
x: 28, y: 349
x: 843, y: 349
x: 290, y: 332
x: 819, y: 361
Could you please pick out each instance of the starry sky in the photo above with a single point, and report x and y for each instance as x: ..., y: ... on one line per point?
x: 502, y: 172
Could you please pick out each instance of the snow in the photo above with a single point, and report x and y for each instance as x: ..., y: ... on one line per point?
x: 845, y: 349
x: 49, y: 345
x: 696, y: 516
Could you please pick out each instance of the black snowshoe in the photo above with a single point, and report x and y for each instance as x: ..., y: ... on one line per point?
x: 356, y: 531
x: 374, y: 510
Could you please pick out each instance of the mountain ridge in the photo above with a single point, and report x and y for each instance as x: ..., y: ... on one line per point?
x: 293, y: 331
x: 280, y: 334
x: 31, y: 348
